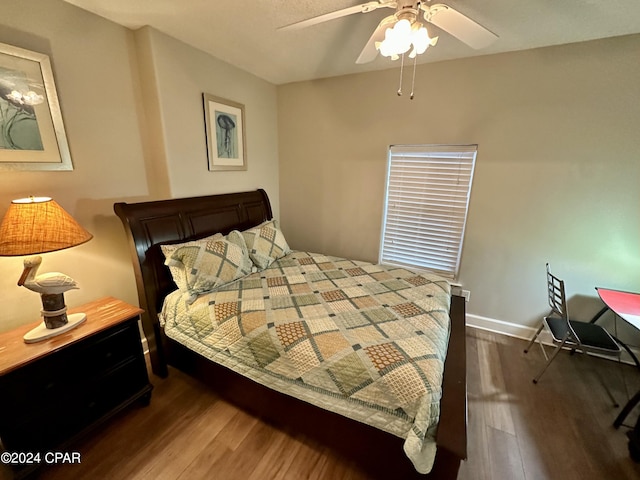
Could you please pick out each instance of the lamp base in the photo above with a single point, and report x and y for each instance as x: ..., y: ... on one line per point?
x: 41, y: 332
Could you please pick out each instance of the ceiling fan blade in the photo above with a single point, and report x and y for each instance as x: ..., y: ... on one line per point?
x: 363, y: 8
x: 370, y: 52
x: 460, y: 26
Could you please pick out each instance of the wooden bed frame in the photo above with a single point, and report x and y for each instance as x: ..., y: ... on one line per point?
x: 149, y: 224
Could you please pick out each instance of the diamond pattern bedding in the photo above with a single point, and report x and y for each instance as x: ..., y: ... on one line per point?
x: 362, y: 340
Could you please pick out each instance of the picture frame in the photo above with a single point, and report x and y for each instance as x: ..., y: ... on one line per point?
x: 225, y: 132
x: 32, y: 134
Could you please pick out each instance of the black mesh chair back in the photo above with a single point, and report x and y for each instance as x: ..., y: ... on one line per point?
x: 558, y: 304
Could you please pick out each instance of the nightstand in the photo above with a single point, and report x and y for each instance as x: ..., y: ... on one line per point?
x: 54, y: 391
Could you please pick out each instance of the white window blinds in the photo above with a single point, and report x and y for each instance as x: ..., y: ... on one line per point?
x: 426, y: 203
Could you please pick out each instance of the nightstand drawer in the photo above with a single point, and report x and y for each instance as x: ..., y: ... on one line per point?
x: 33, y: 385
x: 105, y: 393
x: 111, y: 348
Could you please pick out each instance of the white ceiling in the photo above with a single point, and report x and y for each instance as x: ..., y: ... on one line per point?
x: 245, y: 33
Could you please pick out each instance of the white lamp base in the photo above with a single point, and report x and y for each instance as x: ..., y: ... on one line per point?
x: 41, y: 332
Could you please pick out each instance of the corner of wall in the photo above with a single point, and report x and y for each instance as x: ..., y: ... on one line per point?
x: 148, y: 107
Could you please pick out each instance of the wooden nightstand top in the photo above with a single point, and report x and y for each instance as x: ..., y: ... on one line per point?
x: 101, y: 314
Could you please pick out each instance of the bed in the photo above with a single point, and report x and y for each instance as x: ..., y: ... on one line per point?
x: 152, y: 227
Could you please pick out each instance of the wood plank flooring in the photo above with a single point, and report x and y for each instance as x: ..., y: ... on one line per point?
x: 558, y: 429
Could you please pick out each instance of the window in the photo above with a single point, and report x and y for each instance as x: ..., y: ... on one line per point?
x: 426, y: 203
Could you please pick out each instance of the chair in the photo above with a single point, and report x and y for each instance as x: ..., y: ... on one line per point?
x: 583, y: 336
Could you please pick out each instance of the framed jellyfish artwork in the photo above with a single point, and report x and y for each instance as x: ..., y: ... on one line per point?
x: 226, y: 142
x: 32, y: 135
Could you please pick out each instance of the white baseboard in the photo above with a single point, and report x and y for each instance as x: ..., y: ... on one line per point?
x: 523, y: 332
x: 499, y: 326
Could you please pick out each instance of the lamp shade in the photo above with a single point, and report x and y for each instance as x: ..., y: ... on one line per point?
x: 38, y: 225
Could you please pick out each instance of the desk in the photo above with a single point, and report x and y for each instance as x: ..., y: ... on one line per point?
x: 625, y: 305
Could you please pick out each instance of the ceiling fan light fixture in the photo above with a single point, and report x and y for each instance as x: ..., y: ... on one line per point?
x: 419, y: 39
x: 405, y: 35
x: 397, y: 40
x: 402, y: 28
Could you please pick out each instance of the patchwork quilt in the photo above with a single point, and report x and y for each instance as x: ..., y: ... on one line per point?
x: 365, y: 341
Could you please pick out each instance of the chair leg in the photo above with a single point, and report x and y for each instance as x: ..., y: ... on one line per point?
x: 553, y: 356
x: 535, y: 337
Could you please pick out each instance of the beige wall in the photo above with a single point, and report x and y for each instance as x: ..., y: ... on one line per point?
x: 557, y: 175
x: 181, y: 74
x: 132, y: 109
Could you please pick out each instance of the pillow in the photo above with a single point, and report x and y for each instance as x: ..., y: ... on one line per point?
x: 177, y: 269
x: 210, y: 262
x: 266, y: 243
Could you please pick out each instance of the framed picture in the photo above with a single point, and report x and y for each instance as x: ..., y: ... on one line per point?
x: 32, y: 135
x: 226, y: 142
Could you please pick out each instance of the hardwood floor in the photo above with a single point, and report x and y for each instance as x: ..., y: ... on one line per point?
x: 558, y: 429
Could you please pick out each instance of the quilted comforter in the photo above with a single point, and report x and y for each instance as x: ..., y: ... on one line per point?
x: 362, y: 340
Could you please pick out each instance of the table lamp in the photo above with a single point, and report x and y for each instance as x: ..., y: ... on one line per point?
x: 38, y: 225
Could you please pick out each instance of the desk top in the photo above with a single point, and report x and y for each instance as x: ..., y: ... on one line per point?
x: 624, y: 304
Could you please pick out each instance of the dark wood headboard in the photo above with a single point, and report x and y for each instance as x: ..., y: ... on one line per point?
x: 150, y: 224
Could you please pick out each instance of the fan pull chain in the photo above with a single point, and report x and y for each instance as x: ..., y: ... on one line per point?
x: 413, y: 80
x: 401, y: 70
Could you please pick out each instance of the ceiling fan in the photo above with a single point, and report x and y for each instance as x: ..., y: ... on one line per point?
x: 407, y: 15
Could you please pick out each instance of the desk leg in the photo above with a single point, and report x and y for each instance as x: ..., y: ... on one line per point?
x: 627, y: 410
x: 595, y: 318
x: 633, y: 356
x: 633, y: 401
x: 599, y: 314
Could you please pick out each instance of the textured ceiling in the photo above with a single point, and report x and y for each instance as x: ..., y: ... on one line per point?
x: 246, y: 35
